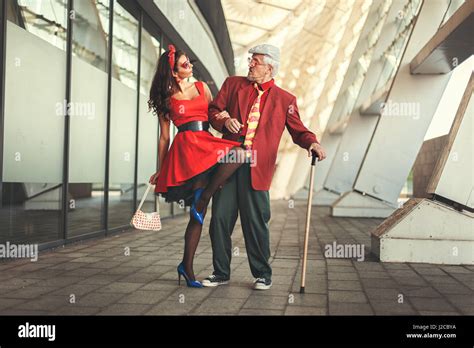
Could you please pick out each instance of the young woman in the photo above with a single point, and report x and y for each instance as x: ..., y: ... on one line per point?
x: 195, y: 165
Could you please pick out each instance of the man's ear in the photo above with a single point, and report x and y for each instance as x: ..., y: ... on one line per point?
x: 271, y: 70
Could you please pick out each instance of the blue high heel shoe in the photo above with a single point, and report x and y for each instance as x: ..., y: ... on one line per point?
x: 194, y: 213
x: 190, y: 283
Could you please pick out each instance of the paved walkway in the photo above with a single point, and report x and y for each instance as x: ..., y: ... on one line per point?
x: 101, y: 279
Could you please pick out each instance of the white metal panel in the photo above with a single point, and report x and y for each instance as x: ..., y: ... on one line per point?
x: 457, y: 179
x: 399, y: 135
x: 356, y: 138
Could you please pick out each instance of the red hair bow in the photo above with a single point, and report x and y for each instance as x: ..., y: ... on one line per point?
x: 172, y: 50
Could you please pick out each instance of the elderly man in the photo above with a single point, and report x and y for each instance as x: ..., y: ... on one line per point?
x: 254, y: 111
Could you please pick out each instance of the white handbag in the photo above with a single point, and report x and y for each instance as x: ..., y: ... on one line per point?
x: 146, y: 221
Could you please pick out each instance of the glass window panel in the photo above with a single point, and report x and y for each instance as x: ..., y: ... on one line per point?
x: 89, y: 119
x: 372, y: 37
x: 34, y: 123
x: 123, y: 117
x: 148, y: 131
x: 453, y: 6
x: 46, y: 19
x: 392, y: 56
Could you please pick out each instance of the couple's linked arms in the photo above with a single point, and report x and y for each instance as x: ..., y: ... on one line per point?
x: 224, y: 123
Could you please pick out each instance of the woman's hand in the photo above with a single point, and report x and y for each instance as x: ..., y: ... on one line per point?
x: 233, y: 125
x: 154, y: 177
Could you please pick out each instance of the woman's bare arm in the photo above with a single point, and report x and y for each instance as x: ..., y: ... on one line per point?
x: 164, y: 142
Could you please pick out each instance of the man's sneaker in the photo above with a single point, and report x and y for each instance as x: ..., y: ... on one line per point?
x: 262, y: 284
x: 214, y: 280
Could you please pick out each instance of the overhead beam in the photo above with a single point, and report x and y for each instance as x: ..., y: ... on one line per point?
x: 451, y: 45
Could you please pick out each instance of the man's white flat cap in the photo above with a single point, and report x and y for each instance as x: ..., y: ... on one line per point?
x: 268, y: 50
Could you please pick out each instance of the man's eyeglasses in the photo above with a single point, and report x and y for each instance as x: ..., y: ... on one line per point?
x: 253, y: 61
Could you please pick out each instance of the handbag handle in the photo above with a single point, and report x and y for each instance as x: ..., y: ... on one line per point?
x: 144, y: 197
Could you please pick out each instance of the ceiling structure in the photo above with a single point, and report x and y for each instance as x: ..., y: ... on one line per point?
x: 317, y: 39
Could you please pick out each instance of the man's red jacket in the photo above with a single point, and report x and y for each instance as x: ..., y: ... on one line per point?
x: 280, y: 110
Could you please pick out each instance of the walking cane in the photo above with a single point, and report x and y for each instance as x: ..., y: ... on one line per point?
x: 308, y: 219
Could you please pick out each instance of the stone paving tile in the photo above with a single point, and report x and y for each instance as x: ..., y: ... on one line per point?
x: 297, y: 310
x: 456, y: 269
x: 369, y: 266
x: 392, y: 308
x: 341, y: 269
x: 16, y: 283
x: 431, y: 304
x: 44, y: 303
x: 58, y: 281
x: 145, y: 297
x: 417, y: 291
x: 77, y: 289
x: 233, y: 292
x: 88, y: 259
x: 266, y: 302
x: 140, y: 277
x: 159, y: 285
x: 399, y: 266
x: 347, y: 296
x: 83, y: 272
x: 308, y: 299
x: 350, y: 309
x: 67, y: 266
x: 374, y: 275
x: 71, y: 309
x: 125, y: 309
x: 311, y: 288
x: 9, y: 302
x: 101, y: 279
x: 220, y: 305
x: 97, y: 299
x: 345, y: 285
x: 252, y: 312
x: 446, y: 279
x: 410, y: 281
x: 437, y: 313
x: 461, y: 300
x: 369, y: 283
x: 172, y: 308
x: 386, y: 294
x: 24, y: 312
x: 120, y: 287
x: 122, y: 270
x: 29, y: 292
x: 342, y: 276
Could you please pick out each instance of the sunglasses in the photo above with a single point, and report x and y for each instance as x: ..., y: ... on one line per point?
x: 186, y: 64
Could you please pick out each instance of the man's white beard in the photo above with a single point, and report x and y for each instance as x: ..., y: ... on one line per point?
x: 250, y: 78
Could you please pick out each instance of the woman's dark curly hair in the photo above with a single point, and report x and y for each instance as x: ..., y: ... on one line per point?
x: 163, y: 86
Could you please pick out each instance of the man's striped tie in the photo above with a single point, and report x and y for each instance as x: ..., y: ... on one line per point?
x: 252, y: 121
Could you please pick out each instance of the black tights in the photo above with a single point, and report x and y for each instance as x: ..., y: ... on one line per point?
x: 194, y: 228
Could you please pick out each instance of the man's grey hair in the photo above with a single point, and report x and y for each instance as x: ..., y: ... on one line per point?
x: 271, y: 55
x: 275, y: 64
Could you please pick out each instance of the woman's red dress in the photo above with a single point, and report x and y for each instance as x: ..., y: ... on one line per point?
x: 193, y: 154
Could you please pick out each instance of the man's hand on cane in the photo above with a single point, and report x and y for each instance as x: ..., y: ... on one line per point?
x: 320, y: 152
